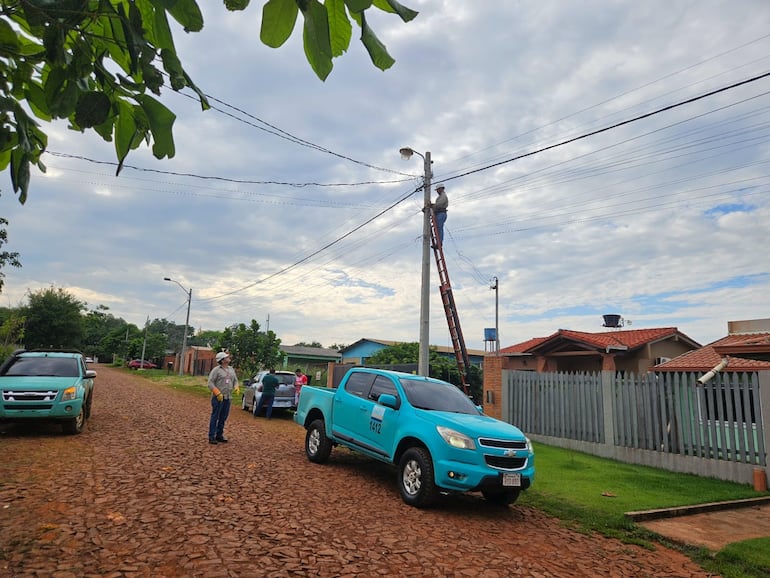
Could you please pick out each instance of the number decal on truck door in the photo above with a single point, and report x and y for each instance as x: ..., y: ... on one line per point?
x: 375, y: 421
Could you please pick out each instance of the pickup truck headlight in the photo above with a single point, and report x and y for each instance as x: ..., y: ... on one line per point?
x: 69, y: 394
x: 455, y: 438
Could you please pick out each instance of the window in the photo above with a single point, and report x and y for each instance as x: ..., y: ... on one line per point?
x: 359, y: 384
x: 383, y: 385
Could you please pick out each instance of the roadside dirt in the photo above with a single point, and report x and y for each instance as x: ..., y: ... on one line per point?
x: 715, y: 530
x: 142, y: 493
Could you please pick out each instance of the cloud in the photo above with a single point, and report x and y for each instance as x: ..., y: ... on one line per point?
x: 663, y: 221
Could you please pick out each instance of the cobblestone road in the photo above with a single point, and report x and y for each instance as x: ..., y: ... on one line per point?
x: 142, y: 493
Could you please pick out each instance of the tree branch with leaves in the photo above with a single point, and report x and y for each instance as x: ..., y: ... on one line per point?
x: 101, y: 64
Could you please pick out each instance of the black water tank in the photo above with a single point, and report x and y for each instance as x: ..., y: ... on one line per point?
x: 611, y: 320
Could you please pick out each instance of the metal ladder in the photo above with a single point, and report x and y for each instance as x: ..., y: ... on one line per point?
x: 447, y: 298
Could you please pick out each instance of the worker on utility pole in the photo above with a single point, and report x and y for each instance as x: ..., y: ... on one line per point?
x: 439, y: 211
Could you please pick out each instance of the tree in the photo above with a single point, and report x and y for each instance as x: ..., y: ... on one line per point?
x: 97, y: 324
x: 6, y: 258
x: 252, y: 349
x: 305, y: 344
x: 95, y: 64
x: 53, y: 319
x: 441, y: 367
x: 11, y: 332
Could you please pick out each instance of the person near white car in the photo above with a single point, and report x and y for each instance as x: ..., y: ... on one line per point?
x: 223, y: 383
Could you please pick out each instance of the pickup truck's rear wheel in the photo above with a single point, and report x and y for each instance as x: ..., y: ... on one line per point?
x: 318, y: 447
x: 76, y: 424
x: 415, y: 478
x: 501, y: 497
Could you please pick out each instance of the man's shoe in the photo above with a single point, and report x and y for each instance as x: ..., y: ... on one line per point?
x: 213, y: 441
x: 222, y: 439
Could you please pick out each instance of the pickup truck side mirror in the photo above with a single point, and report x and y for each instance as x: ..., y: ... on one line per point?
x: 388, y: 400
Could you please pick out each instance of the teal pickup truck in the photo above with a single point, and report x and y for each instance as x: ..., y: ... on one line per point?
x: 437, y: 438
x: 50, y: 385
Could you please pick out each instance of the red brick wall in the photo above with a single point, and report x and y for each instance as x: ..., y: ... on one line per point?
x: 493, y: 385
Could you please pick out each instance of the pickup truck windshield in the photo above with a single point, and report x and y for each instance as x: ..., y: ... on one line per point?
x: 44, y: 366
x: 436, y: 396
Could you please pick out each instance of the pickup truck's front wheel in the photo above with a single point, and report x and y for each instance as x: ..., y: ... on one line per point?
x: 415, y: 479
x: 317, y: 445
x: 75, y: 425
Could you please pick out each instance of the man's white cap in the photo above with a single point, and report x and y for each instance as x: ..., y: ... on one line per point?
x: 221, y: 355
x: 439, y: 186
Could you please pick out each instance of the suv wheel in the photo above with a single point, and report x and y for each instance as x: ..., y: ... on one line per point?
x: 75, y: 425
x: 415, y: 478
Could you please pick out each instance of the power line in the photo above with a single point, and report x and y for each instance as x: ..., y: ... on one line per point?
x: 611, y: 127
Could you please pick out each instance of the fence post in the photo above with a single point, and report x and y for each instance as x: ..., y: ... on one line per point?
x: 764, y: 408
x: 608, y: 407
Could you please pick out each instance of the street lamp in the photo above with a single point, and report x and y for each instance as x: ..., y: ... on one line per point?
x: 423, y: 368
x: 186, y: 322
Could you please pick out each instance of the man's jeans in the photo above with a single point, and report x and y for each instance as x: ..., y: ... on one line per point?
x: 266, y: 401
x: 219, y: 412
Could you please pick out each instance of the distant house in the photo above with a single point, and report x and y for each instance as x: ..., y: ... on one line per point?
x: 313, y: 361
x: 361, y: 350
x: 634, y: 351
x: 746, y: 347
x: 198, y: 360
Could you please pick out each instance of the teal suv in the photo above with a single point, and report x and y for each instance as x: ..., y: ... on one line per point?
x: 52, y: 385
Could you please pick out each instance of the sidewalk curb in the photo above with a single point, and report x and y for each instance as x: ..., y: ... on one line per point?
x: 645, y: 515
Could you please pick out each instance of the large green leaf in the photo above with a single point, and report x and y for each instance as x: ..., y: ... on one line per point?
x: 161, y: 121
x: 358, y: 5
x: 315, y: 36
x: 186, y: 12
x: 377, y: 51
x: 235, y: 5
x: 340, y: 29
x: 20, y: 174
x: 125, y: 132
x: 9, y: 42
x: 278, y: 20
x: 405, y: 13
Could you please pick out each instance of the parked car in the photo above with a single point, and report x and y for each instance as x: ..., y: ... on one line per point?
x: 141, y: 364
x: 52, y: 385
x: 284, y: 395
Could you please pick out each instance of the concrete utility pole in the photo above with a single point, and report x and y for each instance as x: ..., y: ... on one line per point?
x: 423, y: 365
x: 494, y: 286
x: 186, y: 323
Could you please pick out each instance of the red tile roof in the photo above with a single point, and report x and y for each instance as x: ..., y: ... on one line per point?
x: 629, y: 338
x: 523, y: 346
x: 705, y: 358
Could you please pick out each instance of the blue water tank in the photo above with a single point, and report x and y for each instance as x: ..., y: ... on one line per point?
x: 490, y: 334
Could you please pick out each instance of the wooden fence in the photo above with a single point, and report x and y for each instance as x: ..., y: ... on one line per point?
x: 665, y: 420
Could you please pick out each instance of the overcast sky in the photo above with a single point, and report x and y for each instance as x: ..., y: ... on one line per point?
x: 291, y: 205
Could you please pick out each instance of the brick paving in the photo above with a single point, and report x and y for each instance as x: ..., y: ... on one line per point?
x: 142, y: 494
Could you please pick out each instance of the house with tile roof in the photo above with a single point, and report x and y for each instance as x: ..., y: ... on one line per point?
x: 746, y: 348
x: 630, y: 350
x: 358, y: 352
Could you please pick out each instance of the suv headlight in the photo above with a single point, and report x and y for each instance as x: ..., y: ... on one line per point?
x: 455, y: 438
x: 69, y: 393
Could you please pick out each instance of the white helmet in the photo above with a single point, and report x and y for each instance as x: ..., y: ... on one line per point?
x: 222, y: 355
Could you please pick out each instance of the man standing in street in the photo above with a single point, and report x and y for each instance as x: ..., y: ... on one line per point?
x: 269, y: 385
x: 223, y: 383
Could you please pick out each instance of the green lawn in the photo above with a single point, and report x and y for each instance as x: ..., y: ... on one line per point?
x: 593, y: 494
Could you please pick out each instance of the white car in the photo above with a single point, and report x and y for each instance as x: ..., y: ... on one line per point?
x: 284, y: 393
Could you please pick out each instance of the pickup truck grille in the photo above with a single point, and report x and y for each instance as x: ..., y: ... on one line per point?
x: 28, y: 396
x: 506, y: 444
x: 505, y: 463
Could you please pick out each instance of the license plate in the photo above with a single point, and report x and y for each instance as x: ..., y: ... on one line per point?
x: 511, y: 480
